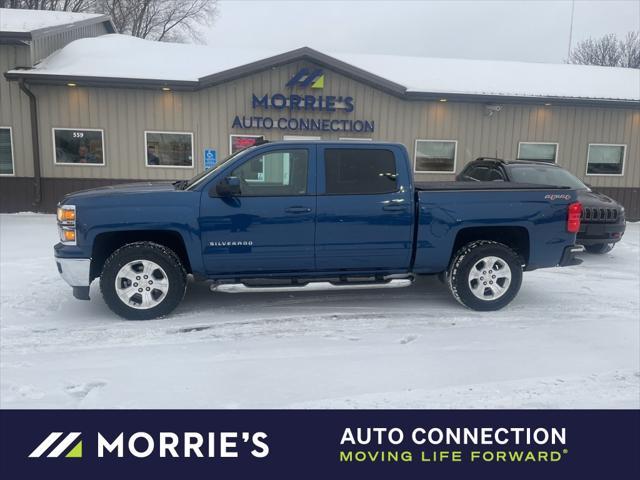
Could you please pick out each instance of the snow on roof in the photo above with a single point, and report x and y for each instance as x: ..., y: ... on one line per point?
x: 20, y: 20
x: 491, y: 77
x: 122, y: 56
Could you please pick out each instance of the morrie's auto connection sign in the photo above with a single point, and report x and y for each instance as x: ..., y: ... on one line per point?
x: 281, y: 111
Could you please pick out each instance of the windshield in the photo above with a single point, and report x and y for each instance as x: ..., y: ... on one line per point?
x: 545, y: 175
x: 203, y: 175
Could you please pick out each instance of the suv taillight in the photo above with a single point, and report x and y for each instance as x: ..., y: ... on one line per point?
x: 573, y: 218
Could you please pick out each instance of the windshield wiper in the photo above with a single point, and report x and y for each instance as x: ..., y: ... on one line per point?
x: 180, y: 184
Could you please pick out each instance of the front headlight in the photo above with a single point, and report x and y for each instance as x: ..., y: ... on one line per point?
x: 67, y: 224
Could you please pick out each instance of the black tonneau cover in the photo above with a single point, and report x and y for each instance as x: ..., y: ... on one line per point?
x: 452, y: 185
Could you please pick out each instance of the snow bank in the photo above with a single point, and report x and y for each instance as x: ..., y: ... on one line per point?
x: 122, y: 56
x: 571, y: 339
x: 19, y: 20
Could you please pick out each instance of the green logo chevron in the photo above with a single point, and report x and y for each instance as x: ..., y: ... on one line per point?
x: 75, y: 452
x: 60, y: 444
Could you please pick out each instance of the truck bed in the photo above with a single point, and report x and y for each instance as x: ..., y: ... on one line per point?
x: 535, y: 214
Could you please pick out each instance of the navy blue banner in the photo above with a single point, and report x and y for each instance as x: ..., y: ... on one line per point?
x: 319, y: 444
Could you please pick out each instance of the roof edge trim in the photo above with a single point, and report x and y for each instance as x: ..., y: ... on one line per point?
x: 309, y: 54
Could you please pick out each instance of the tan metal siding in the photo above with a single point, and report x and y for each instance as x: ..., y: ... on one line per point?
x: 125, y: 114
x: 44, y: 46
x: 14, y: 109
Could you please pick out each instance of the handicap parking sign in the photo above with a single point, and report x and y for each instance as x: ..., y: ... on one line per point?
x: 209, y: 158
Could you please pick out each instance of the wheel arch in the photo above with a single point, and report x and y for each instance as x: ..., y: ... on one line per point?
x: 106, y: 243
x: 515, y: 237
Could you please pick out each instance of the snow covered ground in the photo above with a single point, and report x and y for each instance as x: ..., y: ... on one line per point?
x: 571, y: 339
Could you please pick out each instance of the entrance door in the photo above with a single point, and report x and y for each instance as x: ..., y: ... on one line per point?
x: 365, y: 218
x: 269, y: 227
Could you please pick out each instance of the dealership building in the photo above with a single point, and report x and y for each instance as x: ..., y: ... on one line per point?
x: 82, y: 106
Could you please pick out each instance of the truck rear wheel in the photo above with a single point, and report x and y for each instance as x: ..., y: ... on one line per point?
x: 143, y: 280
x: 485, y: 275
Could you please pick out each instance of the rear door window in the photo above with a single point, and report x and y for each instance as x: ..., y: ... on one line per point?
x: 353, y: 171
x: 494, y: 175
x: 479, y: 173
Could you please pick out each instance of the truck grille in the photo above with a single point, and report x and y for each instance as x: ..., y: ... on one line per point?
x: 599, y: 215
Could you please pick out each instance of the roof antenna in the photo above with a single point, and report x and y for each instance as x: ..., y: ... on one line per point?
x: 573, y: 6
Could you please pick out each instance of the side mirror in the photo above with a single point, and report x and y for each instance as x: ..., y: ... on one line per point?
x: 228, y: 187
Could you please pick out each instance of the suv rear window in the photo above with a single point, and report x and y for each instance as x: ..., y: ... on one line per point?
x: 364, y: 171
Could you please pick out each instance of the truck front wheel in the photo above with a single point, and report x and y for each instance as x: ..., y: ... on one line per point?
x: 485, y: 275
x: 143, y: 280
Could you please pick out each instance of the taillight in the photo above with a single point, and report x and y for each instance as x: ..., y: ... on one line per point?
x: 573, y: 218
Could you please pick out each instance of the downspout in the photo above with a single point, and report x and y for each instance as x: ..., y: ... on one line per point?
x: 35, y: 144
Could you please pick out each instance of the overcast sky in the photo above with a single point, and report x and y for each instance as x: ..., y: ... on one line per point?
x: 535, y: 31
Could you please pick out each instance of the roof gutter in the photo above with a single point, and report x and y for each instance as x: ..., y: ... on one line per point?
x: 35, y: 143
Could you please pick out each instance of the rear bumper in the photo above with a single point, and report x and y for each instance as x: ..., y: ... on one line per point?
x: 595, y: 233
x: 569, y: 256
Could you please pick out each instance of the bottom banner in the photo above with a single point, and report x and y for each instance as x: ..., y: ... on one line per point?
x: 159, y: 444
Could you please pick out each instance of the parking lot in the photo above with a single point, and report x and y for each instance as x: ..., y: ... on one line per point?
x: 571, y: 339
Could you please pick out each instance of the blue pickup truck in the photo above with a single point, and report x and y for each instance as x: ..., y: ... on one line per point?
x: 297, y: 216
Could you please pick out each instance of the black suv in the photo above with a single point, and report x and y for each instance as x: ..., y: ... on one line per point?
x: 602, y: 223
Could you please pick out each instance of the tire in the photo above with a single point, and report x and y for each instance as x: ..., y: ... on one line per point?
x: 599, y: 248
x: 473, y: 256
x: 145, y: 267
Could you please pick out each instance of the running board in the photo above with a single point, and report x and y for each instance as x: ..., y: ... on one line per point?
x: 309, y: 287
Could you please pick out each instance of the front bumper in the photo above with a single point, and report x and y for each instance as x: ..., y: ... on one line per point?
x: 594, y: 233
x: 569, y: 256
x: 74, y: 271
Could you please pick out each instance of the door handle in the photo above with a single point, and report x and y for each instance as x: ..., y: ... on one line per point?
x: 395, y: 205
x: 297, y: 209
x: 395, y: 208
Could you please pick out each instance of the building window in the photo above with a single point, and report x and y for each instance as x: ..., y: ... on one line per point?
x: 538, y: 151
x: 78, y: 146
x: 275, y: 173
x: 605, y: 159
x: 240, y: 142
x: 435, y: 156
x: 364, y: 171
x: 6, y: 151
x: 169, y: 149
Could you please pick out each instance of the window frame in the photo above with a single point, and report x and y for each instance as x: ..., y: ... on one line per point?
x: 67, y: 164
x: 555, y: 160
x: 432, y: 140
x: 624, y: 157
x: 13, y: 155
x: 354, y: 139
x: 373, y: 147
x: 231, y: 135
x: 193, y: 157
